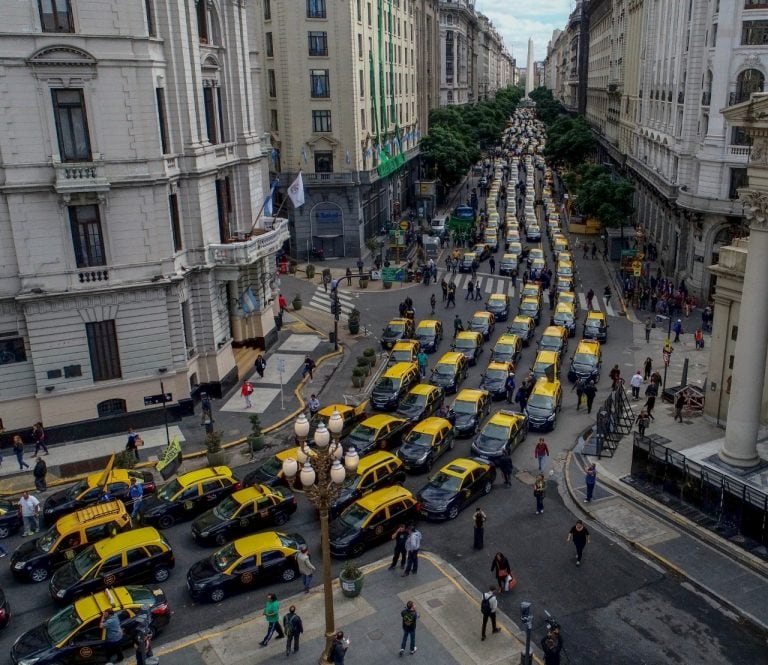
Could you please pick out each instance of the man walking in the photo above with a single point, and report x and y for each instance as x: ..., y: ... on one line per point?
x: 306, y: 567
x: 309, y: 366
x: 38, y: 436
x: 505, y: 466
x: 579, y: 534
x: 589, y: 392
x: 539, y: 490
x: 590, y: 298
x: 488, y: 607
x: 492, y: 265
x: 400, y: 537
x: 677, y: 328
x: 552, y: 645
x: 509, y: 386
x: 293, y: 627
x: 478, y: 520
x: 421, y: 359
x: 409, y: 616
x: 650, y: 393
x: 272, y: 615
x: 136, y: 494
x: 110, y: 622
x: 246, y: 391
x: 635, y: 382
x: 458, y: 326
x: 314, y: 405
x: 39, y: 472
x: 648, y: 326
x: 679, y: 404
x: 339, y: 648
x: 470, y: 290
x: 30, y: 510
x: 590, y: 480
x: 412, y: 547
x: 478, y: 294
x: 451, y: 295
x: 541, y: 452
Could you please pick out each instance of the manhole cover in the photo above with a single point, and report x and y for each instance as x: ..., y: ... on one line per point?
x: 375, y: 635
x: 435, y: 602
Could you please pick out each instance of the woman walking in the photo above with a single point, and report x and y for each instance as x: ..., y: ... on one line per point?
x: 501, y: 569
x: 18, y: 450
x: 38, y: 436
x: 539, y: 489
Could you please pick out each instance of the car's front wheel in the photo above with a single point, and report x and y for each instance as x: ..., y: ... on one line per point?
x: 487, y: 487
x: 220, y: 539
x: 288, y: 574
x: 280, y: 519
x: 166, y: 522
x: 453, y: 512
x: 161, y: 574
x: 217, y: 595
x: 4, y: 532
x: 357, y: 550
x: 39, y: 574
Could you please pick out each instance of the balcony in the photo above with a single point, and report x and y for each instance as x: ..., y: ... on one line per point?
x: 738, y: 153
x: 265, y: 242
x: 76, y: 177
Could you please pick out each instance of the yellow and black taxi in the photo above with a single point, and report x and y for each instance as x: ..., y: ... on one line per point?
x: 468, y: 411
x: 554, y: 338
x: 379, y: 469
x: 565, y: 316
x: 404, y: 351
x: 565, y: 283
x: 10, y: 518
x: 586, y: 361
x: 140, y: 555
x: 513, y: 242
x: 467, y: 259
x: 522, y: 327
x: 262, y: 558
x: 544, y: 404
x: 566, y: 297
x: 532, y: 232
x: 396, y: 330
x: 500, y: 435
x: 538, y: 266
x: 188, y: 495
x: 450, y: 371
x: 270, y: 473
x: 483, y: 323
x: 564, y: 268
x: 371, y: 520
x: 530, y: 307
x: 498, y: 305
x: 494, y: 378
x: 351, y: 415
x: 507, y: 349
x: 425, y: 443
x: 559, y: 244
x: 454, y: 487
x: 73, y: 635
x: 547, y: 363
x: 596, y: 326
x: 34, y: 560
x: 378, y: 432
x: 393, y: 385
x: 243, y: 512
x: 90, y: 490
x: 421, y: 401
x: 482, y: 251
x: 429, y: 334
x: 565, y: 255
x: 531, y: 290
x: 510, y: 260
x: 535, y: 254
x: 491, y: 238
x: 470, y: 343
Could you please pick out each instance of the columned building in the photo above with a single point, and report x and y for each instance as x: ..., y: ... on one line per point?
x: 132, y: 173
x: 458, y: 29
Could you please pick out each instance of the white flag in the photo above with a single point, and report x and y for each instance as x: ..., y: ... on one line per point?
x: 296, y: 192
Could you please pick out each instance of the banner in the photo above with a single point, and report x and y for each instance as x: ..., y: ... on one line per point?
x: 170, y: 459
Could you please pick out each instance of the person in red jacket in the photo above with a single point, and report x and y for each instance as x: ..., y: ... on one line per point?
x: 541, y: 452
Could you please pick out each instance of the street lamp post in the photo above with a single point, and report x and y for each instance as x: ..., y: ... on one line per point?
x: 321, y: 476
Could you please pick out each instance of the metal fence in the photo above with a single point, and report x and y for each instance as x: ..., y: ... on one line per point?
x: 719, y: 502
x: 614, y: 421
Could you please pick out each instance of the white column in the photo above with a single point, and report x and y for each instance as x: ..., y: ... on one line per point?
x: 744, y: 407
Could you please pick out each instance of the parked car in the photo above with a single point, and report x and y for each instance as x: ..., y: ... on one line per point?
x: 454, y: 487
x: 425, y: 443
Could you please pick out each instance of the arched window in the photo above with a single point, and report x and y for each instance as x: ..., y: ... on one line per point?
x: 748, y: 81
x: 111, y: 407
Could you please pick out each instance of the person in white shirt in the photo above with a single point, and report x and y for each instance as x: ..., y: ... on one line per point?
x: 636, y: 381
x: 490, y: 610
x: 30, y: 509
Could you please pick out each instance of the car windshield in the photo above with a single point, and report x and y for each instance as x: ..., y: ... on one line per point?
x: 528, y: 307
x: 541, y: 367
x: 565, y: 270
x: 225, y: 557
x: 355, y: 516
x: 503, y: 349
x: 414, y: 400
x: 363, y: 433
x: 465, y: 344
x: 226, y: 509
x: 463, y: 406
x: 169, y: 490
x: 48, y: 539
x: 444, y: 369
x: 551, y: 342
x: 496, y: 304
x: 540, y: 401
x: 479, y: 322
x: 418, y: 439
x: 594, y: 323
x: 496, y: 374
x: 394, y: 329
x: 445, y: 482
x: 77, y: 489
x: 272, y: 467
x: 62, y: 624
x: 86, y: 560
x: 563, y: 316
x: 425, y: 333
x: 388, y: 384
x: 519, y: 328
x: 402, y: 356
x: 584, y: 359
x: 494, y: 431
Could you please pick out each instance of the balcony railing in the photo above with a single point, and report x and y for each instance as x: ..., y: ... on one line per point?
x: 739, y: 150
x: 73, y: 177
x: 264, y: 243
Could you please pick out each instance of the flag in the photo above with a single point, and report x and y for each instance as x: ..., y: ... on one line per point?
x: 104, y: 478
x: 296, y: 192
x: 170, y: 459
x: 268, y: 200
x: 248, y: 301
x: 304, y: 154
x: 347, y: 157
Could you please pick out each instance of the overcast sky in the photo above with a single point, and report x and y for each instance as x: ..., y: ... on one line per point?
x: 517, y: 20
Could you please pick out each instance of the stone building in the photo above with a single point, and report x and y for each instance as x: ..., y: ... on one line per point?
x: 131, y: 163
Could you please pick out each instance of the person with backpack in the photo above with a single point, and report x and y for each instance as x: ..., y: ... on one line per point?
x: 39, y: 472
x: 412, y: 547
x: 409, y: 616
x: 488, y: 606
x: 309, y: 366
x: 293, y: 627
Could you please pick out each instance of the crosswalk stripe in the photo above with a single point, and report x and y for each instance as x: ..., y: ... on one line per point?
x: 489, y: 286
x: 511, y: 289
x: 608, y: 309
x: 582, y: 300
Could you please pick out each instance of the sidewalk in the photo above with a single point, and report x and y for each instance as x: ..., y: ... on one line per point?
x: 448, y: 630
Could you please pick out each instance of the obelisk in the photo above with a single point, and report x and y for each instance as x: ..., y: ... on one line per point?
x: 529, y: 69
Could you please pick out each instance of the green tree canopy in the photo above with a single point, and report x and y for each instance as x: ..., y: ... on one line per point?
x: 450, y: 151
x: 569, y: 142
x: 600, y: 194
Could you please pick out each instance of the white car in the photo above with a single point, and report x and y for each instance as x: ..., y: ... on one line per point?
x: 438, y: 226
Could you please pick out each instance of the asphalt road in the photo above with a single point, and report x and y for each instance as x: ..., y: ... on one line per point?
x: 615, y: 608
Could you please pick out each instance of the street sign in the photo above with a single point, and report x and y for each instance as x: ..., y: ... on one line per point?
x: 281, y: 365
x: 393, y: 274
x: 281, y: 371
x: 151, y: 400
x: 405, y: 225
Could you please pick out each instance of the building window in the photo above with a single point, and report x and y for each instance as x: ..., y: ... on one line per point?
x: 370, y: 15
x: 160, y: 97
x: 111, y: 407
x: 273, y: 124
x: 269, y: 45
x: 202, y: 21
x: 359, y: 10
x: 362, y: 82
x: 362, y: 118
x: 56, y: 15
x: 320, y: 83
x: 173, y: 206
x: 324, y: 162
x: 186, y: 322
x: 220, y: 114
x: 318, y: 43
x: 316, y: 9
x: 267, y: 10
x: 359, y: 45
x: 150, y: 12
x: 449, y: 55
x: 754, y: 33
x: 224, y: 207
x: 209, y: 103
x: 321, y: 121
x: 87, y: 238
x: 12, y: 350
x: 102, y: 346
x: 738, y: 180
x: 71, y: 125
x: 271, y: 83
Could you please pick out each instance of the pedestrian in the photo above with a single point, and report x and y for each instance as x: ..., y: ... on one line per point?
x: 488, y: 606
x: 133, y: 443
x: 590, y: 480
x: 590, y: 390
x: 412, y: 547
x: 552, y: 645
x: 492, y: 265
x: 648, y: 326
x: 306, y: 567
x: 651, y: 392
x: 451, y: 295
x: 314, y: 405
x: 409, y: 616
x: 509, y: 386
x: 501, y: 569
x: 642, y: 422
x: 607, y: 295
x: 293, y: 628
x: 541, y: 452
x: 272, y: 615
x: 470, y: 290
x: 421, y: 358
x: 590, y: 298
x: 18, y: 450
x: 478, y: 294
x: 360, y: 265
x: 521, y: 398
x: 142, y: 637
x: 579, y: 388
x: 552, y: 297
x: 339, y: 648
x: 282, y: 303
x: 478, y: 519
x: 679, y: 404
x: 539, y: 490
x: 110, y: 623
x: 246, y: 391
x: 635, y: 382
x: 506, y: 468
x: 432, y: 303
x: 615, y: 377
x: 444, y: 289
x: 594, y: 250
x: 677, y: 328
x: 458, y: 326
x: 585, y: 247
x: 260, y: 365
x: 309, y: 366
x: 38, y: 436
x: 39, y: 472
x: 647, y: 368
x: 400, y: 536
x: 136, y: 495
x: 698, y: 337
x: 349, y: 283
x: 579, y: 534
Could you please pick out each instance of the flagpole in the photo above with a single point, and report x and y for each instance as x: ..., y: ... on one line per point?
x: 261, y: 210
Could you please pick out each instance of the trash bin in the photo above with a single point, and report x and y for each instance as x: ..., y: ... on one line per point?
x: 332, y: 337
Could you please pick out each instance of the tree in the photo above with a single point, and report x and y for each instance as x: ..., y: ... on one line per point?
x: 600, y: 194
x: 548, y: 109
x: 451, y: 153
x: 569, y: 142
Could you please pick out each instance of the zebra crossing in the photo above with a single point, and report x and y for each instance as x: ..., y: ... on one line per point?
x: 321, y: 301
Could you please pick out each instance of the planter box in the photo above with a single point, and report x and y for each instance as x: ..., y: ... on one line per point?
x: 351, y: 588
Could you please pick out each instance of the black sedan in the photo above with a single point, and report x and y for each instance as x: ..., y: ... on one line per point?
x: 10, y: 519
x: 454, y: 487
x: 494, y: 379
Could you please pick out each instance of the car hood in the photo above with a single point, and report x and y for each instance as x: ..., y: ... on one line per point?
x: 201, y: 571
x: 152, y: 504
x: 207, y: 521
x: 464, y: 419
x: 487, y: 445
x: 496, y: 307
x: 31, y: 643
x: 435, y: 496
x: 26, y: 551
x: 65, y: 576
x: 492, y: 384
x: 412, y: 451
x: 340, y: 531
x: 391, y: 336
x: 538, y: 412
x: 409, y: 411
x: 56, y: 499
x: 426, y: 340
